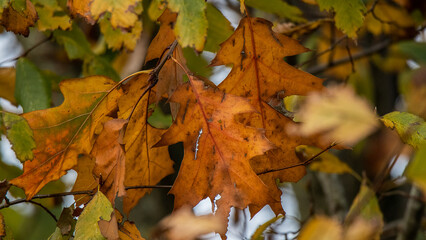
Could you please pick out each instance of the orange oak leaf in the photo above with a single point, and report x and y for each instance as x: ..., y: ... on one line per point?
x: 64, y: 132
x: 144, y: 165
x: 217, y: 149
x: 129, y: 231
x: 260, y: 74
x: 19, y: 21
x: 171, y: 75
x: 110, y: 159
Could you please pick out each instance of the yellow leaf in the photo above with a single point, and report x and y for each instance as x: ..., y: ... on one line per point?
x: 118, y: 37
x: 338, y: 114
x: 124, y: 13
x: 326, y: 162
x: 321, y: 228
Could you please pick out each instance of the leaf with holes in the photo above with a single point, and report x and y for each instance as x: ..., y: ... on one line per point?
x: 217, y: 150
x: 260, y: 74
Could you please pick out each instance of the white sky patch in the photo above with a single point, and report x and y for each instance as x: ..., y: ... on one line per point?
x: 197, y: 143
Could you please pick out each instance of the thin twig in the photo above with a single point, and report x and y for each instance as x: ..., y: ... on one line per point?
x: 367, y: 52
x: 334, y: 45
x: 153, y: 78
x: 86, y: 192
x: 305, y: 163
x: 44, y: 208
x: 27, y: 51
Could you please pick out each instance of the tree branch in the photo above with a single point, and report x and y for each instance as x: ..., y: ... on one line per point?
x: 367, y: 52
x: 86, y: 192
x: 305, y: 163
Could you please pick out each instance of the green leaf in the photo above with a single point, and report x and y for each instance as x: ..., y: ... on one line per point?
x: 257, y: 235
x: 278, y: 7
x: 349, y: 15
x: 191, y: 23
x: 56, y: 235
x: 219, y: 28
x: 97, y: 65
x: 415, y: 50
x: 99, y: 208
x: 411, y: 128
x: 74, y: 42
x: 32, y: 90
x: 196, y: 63
x: 416, y: 170
x: 19, y: 134
x: 77, y: 47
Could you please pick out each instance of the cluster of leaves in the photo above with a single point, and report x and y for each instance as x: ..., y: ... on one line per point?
x: 258, y: 127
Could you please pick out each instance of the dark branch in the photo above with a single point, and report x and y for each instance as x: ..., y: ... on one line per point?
x: 305, y: 163
x: 87, y: 192
x: 367, y: 52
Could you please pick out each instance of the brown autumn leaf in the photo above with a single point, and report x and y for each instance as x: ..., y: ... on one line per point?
x: 129, y: 231
x: 4, y: 187
x: 7, y: 81
x: 144, y: 165
x: 19, y: 20
x: 109, y: 229
x: 217, y: 149
x: 260, y: 74
x: 171, y: 75
x: 64, y: 132
x: 184, y: 225
x: 110, y: 160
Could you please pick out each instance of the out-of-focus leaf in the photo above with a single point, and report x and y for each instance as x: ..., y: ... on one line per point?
x: 99, y: 208
x: 66, y: 221
x: 321, y: 228
x: 191, y: 23
x: 5, y: 232
x: 74, y: 42
x: 19, y: 16
x: 339, y: 114
x: 349, y: 15
x: 56, y: 235
x: 184, y: 225
x: 51, y: 15
x: 116, y: 37
x: 366, y: 206
x: 326, y: 162
x: 124, y: 14
x: 218, y: 30
x: 411, y: 128
x: 415, y: 50
x: 129, y: 231
x: 155, y: 9
x: 159, y: 119
x: 416, y: 170
x: 388, y: 19
x: 32, y: 90
x: 7, y: 83
x: 278, y: 7
x: 77, y: 47
x: 19, y: 134
x: 258, y: 234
